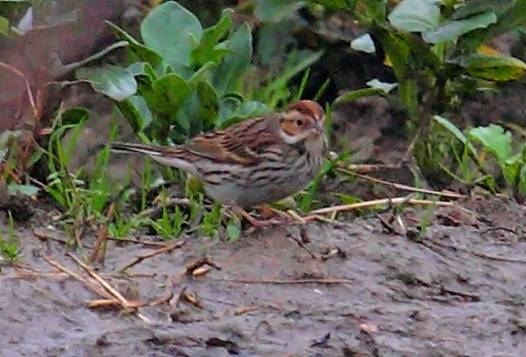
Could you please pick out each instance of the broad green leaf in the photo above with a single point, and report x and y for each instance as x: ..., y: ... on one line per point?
x: 415, y: 15
x: 494, y: 139
x: 510, y: 17
x: 170, y: 91
x: 495, y: 68
x: 208, y: 49
x: 4, y: 25
x: 364, y: 43
x: 172, y: 31
x: 229, y: 73
x: 115, y: 82
x: 275, y: 10
x: 139, y: 50
x: 450, y: 31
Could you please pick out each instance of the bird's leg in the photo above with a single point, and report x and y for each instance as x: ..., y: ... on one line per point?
x: 254, y: 222
x: 268, y: 211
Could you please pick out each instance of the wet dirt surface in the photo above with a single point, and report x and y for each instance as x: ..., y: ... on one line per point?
x: 458, y: 289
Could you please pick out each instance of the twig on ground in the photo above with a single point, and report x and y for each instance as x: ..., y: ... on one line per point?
x: 200, y: 263
x: 464, y: 294
x: 382, y: 201
x: 368, y: 168
x: 117, y: 295
x: 44, y: 237
x: 137, y: 241
x: 328, y: 281
x: 138, y: 259
x: 89, y: 284
x: 402, y: 186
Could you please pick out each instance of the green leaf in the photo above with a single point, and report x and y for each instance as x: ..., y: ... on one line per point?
x: 275, y: 10
x: 136, y: 112
x: 475, y: 7
x: 494, y: 139
x: 359, y: 93
x: 415, y: 15
x: 364, y: 43
x: 229, y: 73
x: 208, y: 50
x: 509, y: 18
x: 208, y: 105
x: 522, y: 180
x: 74, y: 116
x: 452, y: 30
x: 115, y: 82
x: 233, y: 230
x: 173, y: 31
x: 4, y: 25
x: 169, y: 93
x: 495, y: 68
x: 140, y: 51
x: 449, y: 126
x: 347, y: 5
x: 383, y: 86
x: 26, y: 190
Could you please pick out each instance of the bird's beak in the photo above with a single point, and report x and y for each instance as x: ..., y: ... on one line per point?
x: 319, y: 127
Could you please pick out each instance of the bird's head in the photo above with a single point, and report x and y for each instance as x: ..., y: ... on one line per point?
x: 302, y: 120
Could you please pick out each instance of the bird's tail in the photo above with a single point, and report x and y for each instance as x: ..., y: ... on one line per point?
x: 140, y: 148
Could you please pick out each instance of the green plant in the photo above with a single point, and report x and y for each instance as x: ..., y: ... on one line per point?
x: 82, y: 197
x: 438, y: 53
x: 179, y: 83
x: 9, y: 245
x: 504, y: 168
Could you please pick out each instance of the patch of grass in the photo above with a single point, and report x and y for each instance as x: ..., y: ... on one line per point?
x: 9, y: 247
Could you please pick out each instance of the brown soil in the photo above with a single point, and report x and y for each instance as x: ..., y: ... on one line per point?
x: 458, y: 290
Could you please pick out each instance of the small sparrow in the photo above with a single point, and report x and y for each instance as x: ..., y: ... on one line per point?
x: 257, y: 161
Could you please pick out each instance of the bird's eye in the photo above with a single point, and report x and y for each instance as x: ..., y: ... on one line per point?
x: 299, y: 122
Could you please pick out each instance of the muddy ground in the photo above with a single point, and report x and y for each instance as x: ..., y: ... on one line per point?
x: 457, y: 289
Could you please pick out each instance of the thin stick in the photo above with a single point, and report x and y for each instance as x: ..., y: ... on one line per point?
x: 402, y: 186
x: 382, y: 201
x: 87, y: 283
x: 122, y: 300
x: 137, y: 241
x: 367, y: 168
x: 97, y: 303
x: 162, y: 250
x: 96, y: 255
x: 328, y: 281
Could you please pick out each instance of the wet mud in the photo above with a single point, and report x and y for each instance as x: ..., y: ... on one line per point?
x: 454, y: 287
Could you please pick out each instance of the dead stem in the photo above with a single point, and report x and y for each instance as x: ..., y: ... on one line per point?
x: 402, y: 186
x: 102, y: 236
x: 89, y: 284
x: 117, y: 295
x: 382, y: 201
x: 165, y: 249
x: 328, y: 281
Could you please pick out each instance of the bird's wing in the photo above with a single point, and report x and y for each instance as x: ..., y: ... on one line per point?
x: 239, y: 144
